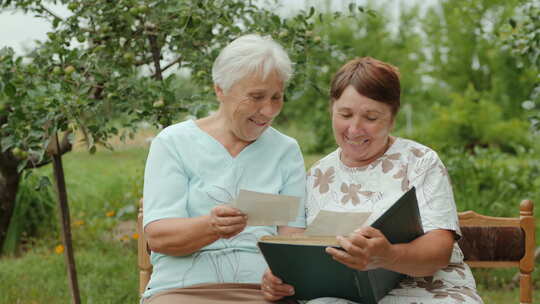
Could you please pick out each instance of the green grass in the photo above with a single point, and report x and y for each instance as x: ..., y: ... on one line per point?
x: 107, y: 268
x: 104, y: 183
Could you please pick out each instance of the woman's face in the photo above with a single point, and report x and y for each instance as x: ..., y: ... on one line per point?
x: 251, y: 104
x: 361, y: 127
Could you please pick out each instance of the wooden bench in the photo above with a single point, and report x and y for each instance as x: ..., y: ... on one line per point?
x: 487, y: 242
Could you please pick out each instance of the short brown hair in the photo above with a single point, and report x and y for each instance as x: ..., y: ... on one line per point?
x: 370, y: 77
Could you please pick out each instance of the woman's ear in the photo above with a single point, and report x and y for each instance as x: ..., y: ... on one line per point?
x: 219, y: 92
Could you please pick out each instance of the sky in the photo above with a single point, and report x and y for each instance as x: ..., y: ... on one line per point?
x: 19, y: 31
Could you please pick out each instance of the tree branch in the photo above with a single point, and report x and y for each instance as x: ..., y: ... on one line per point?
x: 64, y: 146
x: 177, y: 60
x: 156, y: 55
x: 49, y: 11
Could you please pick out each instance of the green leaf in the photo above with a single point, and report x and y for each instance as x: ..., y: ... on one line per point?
x: 276, y: 20
x: 352, y: 7
x: 512, y: 22
x: 10, y: 90
x: 22, y: 165
x: 311, y: 12
x: 55, y: 22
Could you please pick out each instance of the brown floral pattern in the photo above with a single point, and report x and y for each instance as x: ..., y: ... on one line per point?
x: 402, y: 173
x: 323, y: 180
x: 351, y: 192
x: 386, y: 162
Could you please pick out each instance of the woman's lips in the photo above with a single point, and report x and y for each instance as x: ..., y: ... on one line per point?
x: 260, y: 123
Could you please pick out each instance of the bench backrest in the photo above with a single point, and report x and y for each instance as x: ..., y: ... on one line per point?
x: 494, y: 242
x: 487, y: 242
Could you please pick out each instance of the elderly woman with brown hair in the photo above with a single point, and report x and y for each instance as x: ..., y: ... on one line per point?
x: 202, y: 250
x: 369, y: 169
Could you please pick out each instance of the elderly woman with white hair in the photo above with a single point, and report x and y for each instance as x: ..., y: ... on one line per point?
x: 202, y: 250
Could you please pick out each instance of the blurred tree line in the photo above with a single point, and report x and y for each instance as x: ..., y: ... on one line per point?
x: 462, y: 86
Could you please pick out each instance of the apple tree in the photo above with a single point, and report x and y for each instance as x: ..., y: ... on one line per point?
x: 111, y: 64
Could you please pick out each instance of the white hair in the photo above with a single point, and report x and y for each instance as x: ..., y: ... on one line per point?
x: 250, y: 54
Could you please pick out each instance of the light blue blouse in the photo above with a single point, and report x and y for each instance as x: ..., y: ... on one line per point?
x: 188, y: 172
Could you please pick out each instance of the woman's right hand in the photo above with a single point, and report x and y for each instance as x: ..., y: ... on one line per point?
x: 227, y: 221
x: 273, y: 288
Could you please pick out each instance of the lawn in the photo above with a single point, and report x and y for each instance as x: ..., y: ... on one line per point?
x: 103, y: 191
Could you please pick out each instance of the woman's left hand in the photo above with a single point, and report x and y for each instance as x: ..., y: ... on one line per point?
x: 273, y: 288
x: 366, y: 248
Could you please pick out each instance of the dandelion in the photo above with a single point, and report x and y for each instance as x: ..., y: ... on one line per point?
x: 59, y: 249
x: 110, y: 213
x: 78, y: 223
x: 135, y: 236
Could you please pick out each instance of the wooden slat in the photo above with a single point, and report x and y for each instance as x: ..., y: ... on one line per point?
x: 145, y: 267
x: 471, y: 218
x: 492, y: 264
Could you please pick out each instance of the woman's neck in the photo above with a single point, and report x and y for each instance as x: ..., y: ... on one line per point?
x: 218, y: 127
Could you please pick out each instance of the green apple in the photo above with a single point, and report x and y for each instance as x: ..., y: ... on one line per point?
x: 23, y: 155
x: 163, y: 120
x: 129, y: 56
x: 160, y: 103
x: 57, y: 70
x: 99, y: 48
x: 69, y: 70
x: 143, y: 8
x: 73, y: 5
x: 19, y: 153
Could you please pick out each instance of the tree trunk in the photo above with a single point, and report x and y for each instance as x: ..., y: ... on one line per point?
x: 9, y: 184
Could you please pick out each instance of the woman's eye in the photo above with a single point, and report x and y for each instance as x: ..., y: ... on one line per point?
x: 346, y: 115
x: 257, y: 97
x: 371, y: 118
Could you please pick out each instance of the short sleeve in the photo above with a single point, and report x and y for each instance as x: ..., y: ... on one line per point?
x: 295, y: 182
x: 435, y: 196
x: 165, y: 183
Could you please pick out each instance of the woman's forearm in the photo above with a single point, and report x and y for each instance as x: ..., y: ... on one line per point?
x: 423, y: 256
x: 180, y: 236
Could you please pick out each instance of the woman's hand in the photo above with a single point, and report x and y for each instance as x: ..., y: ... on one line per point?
x: 366, y: 248
x: 227, y: 221
x: 273, y: 288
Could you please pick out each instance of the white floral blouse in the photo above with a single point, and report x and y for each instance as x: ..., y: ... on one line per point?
x: 333, y: 186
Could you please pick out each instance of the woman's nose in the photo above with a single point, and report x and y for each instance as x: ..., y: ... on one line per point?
x: 270, y: 109
x: 356, y: 128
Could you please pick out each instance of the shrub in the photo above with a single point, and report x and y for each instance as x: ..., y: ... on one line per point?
x: 34, y: 214
x: 492, y: 182
x: 471, y: 121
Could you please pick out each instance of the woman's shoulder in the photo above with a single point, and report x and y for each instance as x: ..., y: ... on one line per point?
x: 180, y: 129
x: 274, y: 137
x: 327, y: 161
x: 413, y: 148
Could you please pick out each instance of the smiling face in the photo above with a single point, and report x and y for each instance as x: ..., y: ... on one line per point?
x: 361, y: 127
x: 250, y: 105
